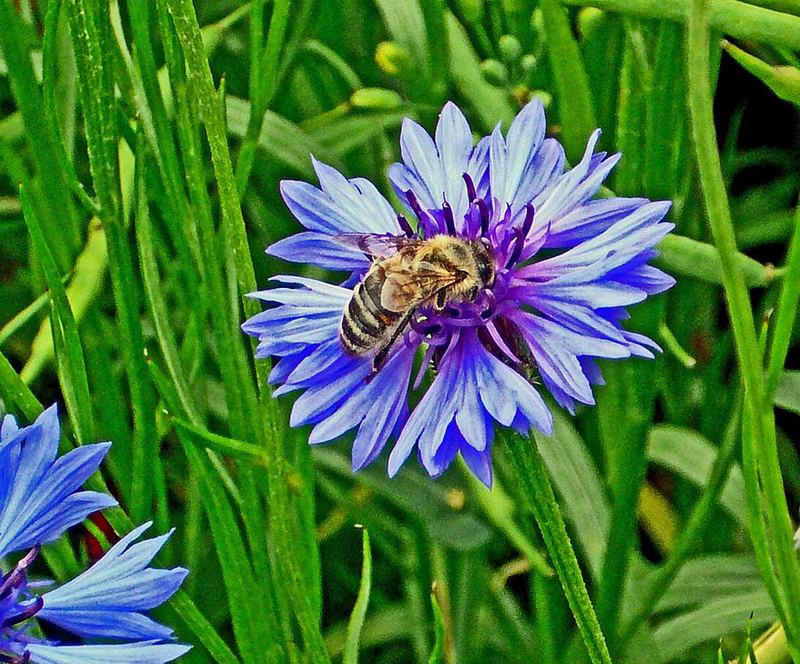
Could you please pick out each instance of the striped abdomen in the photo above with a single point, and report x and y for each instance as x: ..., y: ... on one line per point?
x: 366, y: 323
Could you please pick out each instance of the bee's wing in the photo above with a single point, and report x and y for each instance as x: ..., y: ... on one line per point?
x: 375, y: 245
x: 405, y: 287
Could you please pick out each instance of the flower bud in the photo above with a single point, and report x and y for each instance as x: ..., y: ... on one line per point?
x: 471, y: 10
x: 589, y: 19
x: 494, y: 72
x: 376, y: 99
x: 392, y: 58
x: 510, y: 48
x: 528, y: 63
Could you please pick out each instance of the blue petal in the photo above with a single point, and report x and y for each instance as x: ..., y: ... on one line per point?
x: 434, y: 170
x: 454, y: 143
x: 480, y: 463
x: 340, y: 206
x: 107, y: 599
x: 574, y: 187
x: 471, y: 385
x: 308, y: 316
x: 511, y: 157
x: 421, y: 157
x: 589, y: 220
x: 143, y: 652
x: 374, y: 407
x: 37, y: 499
x: 318, y: 249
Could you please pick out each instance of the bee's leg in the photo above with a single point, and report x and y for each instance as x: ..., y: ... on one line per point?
x: 382, y: 354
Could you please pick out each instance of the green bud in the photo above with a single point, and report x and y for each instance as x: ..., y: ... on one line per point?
x: 537, y: 21
x: 392, y: 58
x: 494, y: 72
x: 589, y: 19
x: 528, y: 63
x: 543, y: 96
x: 471, y: 10
x: 510, y: 49
x: 376, y: 99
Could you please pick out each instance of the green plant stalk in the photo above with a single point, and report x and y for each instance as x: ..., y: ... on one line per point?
x: 50, y: 53
x: 281, y: 517
x: 60, y: 217
x: 239, y: 390
x: 249, y: 628
x: 91, y: 264
x: 433, y: 13
x: 198, y: 624
x: 622, y: 532
x: 538, y: 494
x: 738, y: 19
x: 785, y: 315
x: 356, y: 623
x: 15, y: 390
x: 690, y: 533
x: 263, y: 85
x: 499, y: 508
x: 164, y: 147
x: 575, y: 104
x: 759, y: 432
x: 99, y: 111
x: 624, y: 409
x: 154, y: 293
x: 23, y: 317
x: 72, y: 366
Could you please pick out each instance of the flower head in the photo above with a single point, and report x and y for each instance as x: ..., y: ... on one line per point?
x: 564, y: 267
x: 40, y: 498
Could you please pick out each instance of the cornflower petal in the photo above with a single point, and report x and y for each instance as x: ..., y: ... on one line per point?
x: 107, y: 600
x: 39, y: 497
x: 338, y: 206
x: 144, y: 652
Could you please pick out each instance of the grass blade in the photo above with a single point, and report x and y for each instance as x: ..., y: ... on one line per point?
x: 575, y: 105
x: 72, y: 367
x: 354, y: 627
x: 759, y: 429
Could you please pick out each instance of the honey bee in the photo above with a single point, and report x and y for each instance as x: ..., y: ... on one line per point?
x: 408, y: 273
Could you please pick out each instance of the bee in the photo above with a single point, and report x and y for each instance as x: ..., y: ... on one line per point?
x: 408, y: 273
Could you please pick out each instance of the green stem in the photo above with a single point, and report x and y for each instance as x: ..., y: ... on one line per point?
x: 738, y: 19
x: 538, y: 493
x: 786, y: 313
x: 282, y: 519
x: 263, y: 84
x: 760, y: 434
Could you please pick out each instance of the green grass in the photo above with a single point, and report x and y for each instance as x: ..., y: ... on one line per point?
x: 141, y: 145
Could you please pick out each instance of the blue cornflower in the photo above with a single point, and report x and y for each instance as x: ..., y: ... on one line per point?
x: 40, y: 498
x: 565, y: 267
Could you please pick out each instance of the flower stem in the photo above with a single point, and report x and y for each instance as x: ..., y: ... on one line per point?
x: 538, y: 493
x: 776, y: 556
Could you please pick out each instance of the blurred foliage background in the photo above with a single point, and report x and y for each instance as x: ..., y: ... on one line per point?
x: 128, y: 237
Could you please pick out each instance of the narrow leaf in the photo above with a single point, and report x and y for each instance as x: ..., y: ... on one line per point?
x: 359, y: 613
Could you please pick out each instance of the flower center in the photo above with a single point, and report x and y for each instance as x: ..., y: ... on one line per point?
x: 16, y: 607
